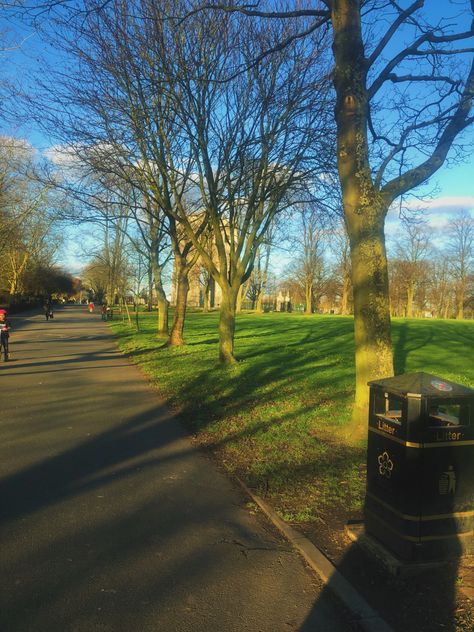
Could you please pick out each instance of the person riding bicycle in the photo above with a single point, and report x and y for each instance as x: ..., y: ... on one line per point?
x: 4, y: 334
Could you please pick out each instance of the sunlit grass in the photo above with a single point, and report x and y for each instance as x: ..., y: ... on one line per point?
x: 278, y: 418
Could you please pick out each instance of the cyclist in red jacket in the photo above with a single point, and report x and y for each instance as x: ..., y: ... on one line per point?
x: 4, y: 334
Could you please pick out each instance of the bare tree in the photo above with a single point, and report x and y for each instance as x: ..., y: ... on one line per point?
x: 308, y: 245
x: 412, y: 249
x: 27, y: 227
x: 461, y: 252
x: 340, y: 247
x: 213, y: 151
x: 253, y: 145
x: 441, y: 288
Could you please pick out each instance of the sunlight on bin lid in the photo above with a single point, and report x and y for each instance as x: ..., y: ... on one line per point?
x: 417, y: 384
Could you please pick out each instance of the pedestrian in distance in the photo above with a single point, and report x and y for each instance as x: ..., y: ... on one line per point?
x: 4, y: 335
x: 103, y: 311
x: 91, y: 307
x: 48, y: 310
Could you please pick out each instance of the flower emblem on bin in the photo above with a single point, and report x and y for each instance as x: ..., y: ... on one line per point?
x: 385, y: 465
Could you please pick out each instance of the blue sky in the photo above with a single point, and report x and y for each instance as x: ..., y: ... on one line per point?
x: 449, y: 191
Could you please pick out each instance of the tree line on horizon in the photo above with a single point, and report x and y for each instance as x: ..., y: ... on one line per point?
x: 30, y: 239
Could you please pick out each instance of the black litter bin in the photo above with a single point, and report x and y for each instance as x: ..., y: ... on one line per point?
x: 420, y: 467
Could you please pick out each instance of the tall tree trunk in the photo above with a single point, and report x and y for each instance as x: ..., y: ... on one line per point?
x: 162, y: 301
x: 227, y: 324
x: 206, y: 296
x: 176, y: 338
x: 150, y: 290
x: 372, y: 330
x: 163, y: 313
x: 309, y: 299
x: 238, y: 303
x: 460, y: 303
x: 364, y: 208
x: 259, y: 303
x: 410, y: 297
x: 345, y: 296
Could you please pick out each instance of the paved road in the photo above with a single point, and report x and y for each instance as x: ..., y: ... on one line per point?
x: 111, y: 520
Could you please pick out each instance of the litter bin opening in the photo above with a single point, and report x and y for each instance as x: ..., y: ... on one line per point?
x: 449, y: 414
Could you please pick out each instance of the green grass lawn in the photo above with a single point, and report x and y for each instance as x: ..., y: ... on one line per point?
x: 278, y: 418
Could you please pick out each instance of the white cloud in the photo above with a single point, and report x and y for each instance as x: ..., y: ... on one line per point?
x: 437, y: 212
x: 449, y: 205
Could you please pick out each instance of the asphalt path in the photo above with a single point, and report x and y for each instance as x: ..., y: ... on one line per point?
x: 112, y: 519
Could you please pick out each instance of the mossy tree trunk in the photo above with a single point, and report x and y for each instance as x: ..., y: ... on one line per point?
x: 227, y: 323
x: 206, y: 292
x: 176, y: 338
x: 410, y: 299
x: 309, y: 299
x: 238, y: 302
x: 364, y: 207
x: 346, y: 286
x: 163, y: 304
x: 259, y: 302
x: 372, y: 331
x: 460, y: 298
x: 163, y: 314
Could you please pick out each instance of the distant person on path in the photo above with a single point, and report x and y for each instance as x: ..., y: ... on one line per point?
x: 103, y: 311
x: 4, y: 334
x: 48, y: 310
x: 91, y: 307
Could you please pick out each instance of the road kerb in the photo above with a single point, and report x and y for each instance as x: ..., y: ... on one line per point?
x: 365, y: 616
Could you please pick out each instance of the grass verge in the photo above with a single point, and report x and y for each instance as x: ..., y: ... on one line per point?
x: 278, y: 418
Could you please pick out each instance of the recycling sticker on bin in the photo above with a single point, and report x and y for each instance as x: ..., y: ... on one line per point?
x: 439, y: 385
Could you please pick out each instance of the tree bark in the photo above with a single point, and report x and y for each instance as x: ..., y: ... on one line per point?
x: 364, y: 208
x: 259, y: 303
x: 163, y: 314
x: 206, y: 296
x: 410, y: 297
x: 309, y: 300
x: 238, y: 303
x: 150, y: 290
x: 460, y: 303
x: 345, y: 296
x: 176, y: 338
x: 163, y: 304
x: 227, y: 325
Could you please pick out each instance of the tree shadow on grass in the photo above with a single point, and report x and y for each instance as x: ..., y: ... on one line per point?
x: 406, y: 343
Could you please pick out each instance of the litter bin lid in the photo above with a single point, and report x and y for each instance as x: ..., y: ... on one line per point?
x: 423, y: 384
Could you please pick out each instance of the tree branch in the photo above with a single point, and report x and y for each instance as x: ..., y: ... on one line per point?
x: 401, y: 78
x: 246, y: 9
x: 392, y: 30
x: 459, y: 121
x: 413, y: 50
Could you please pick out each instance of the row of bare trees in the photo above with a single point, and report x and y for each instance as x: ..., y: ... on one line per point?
x: 429, y: 276
x: 201, y: 156
x: 433, y: 278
